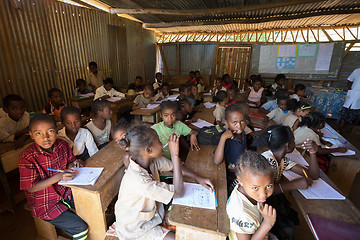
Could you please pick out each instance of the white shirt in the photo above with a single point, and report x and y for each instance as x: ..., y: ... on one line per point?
x: 101, y: 91
x: 9, y: 127
x: 301, y: 134
x: 295, y: 96
x: 83, y: 140
x: 219, y: 113
x: 352, y: 100
x: 278, y: 116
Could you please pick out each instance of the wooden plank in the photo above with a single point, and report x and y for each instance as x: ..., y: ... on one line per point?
x: 164, y: 60
x: 178, y: 59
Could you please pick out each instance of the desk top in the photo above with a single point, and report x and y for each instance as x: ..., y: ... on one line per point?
x: 202, y: 163
x: 79, y: 99
x: 145, y: 112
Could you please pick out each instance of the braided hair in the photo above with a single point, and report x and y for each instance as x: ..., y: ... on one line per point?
x: 274, y: 137
x: 253, y: 163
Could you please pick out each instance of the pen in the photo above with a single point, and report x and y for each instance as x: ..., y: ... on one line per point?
x: 56, y: 170
x: 305, y: 173
x: 216, y: 202
x: 165, y: 145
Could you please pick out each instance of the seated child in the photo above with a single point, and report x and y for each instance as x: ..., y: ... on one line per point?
x: 142, y: 100
x: 139, y: 210
x: 299, y: 92
x: 80, y: 139
x: 107, y: 91
x: 221, y: 100
x: 95, y: 78
x: 158, y: 81
x: 255, y: 95
x: 184, y: 112
x: 218, y: 87
x: 249, y: 82
x: 192, y: 79
x: 14, y: 124
x: 170, y: 125
x: 231, y: 95
x: 56, y: 103
x: 249, y: 215
x: 232, y: 143
x: 280, y: 141
x: 201, y: 86
x: 100, y: 126
x: 194, y: 97
x: 136, y: 85
x: 226, y: 82
x: 299, y: 110
x: 279, y: 114
x: 81, y: 88
x: 162, y: 94
x: 271, y: 105
x: 119, y: 131
x: 279, y: 82
x: 47, y: 199
x: 184, y: 91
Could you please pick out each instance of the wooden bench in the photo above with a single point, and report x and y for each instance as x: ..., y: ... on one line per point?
x: 116, y: 106
x: 197, y: 223
x: 81, y: 102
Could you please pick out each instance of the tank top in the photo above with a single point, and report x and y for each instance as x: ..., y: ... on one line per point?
x: 255, y: 96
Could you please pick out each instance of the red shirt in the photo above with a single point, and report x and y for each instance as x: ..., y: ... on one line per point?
x: 227, y: 86
x: 33, y: 164
x: 231, y: 103
x: 192, y: 81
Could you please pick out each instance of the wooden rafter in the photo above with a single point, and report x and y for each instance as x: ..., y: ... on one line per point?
x: 326, y: 34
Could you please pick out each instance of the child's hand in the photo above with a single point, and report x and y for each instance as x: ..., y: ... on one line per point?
x: 257, y: 104
x: 228, y: 134
x: 194, y: 142
x: 78, y: 163
x: 68, y: 175
x: 173, y: 144
x: 143, y: 106
x: 194, y: 119
x: 328, y: 144
x: 311, y: 146
x: 303, y: 183
x: 206, y: 183
x: 341, y: 149
x: 269, y: 214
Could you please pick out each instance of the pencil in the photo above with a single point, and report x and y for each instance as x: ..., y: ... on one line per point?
x: 305, y: 173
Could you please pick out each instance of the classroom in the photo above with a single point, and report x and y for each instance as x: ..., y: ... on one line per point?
x: 179, y: 119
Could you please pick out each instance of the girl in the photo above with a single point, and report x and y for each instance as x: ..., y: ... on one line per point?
x: 184, y: 111
x: 300, y: 109
x: 226, y: 82
x: 250, y: 217
x: 255, y: 95
x: 194, y: 97
x: 219, y: 113
x: 231, y: 94
x: 201, y: 86
x: 280, y: 141
x: 279, y: 82
x: 139, y: 209
x: 218, y: 87
x: 56, y: 103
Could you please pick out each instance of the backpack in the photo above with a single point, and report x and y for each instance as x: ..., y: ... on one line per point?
x: 210, y: 135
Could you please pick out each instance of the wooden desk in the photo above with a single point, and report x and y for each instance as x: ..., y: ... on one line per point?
x: 146, y: 113
x: 92, y: 201
x: 81, y: 102
x: 116, y: 106
x: 197, y: 223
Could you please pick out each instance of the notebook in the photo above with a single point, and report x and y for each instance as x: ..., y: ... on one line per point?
x: 86, y: 176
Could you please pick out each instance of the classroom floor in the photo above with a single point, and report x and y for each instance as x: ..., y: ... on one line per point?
x: 22, y: 227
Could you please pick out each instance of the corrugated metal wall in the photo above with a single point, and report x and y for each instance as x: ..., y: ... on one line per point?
x: 350, y: 62
x: 45, y: 43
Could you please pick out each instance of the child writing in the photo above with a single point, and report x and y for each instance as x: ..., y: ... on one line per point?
x: 279, y: 114
x: 136, y: 85
x: 80, y: 139
x: 232, y: 143
x: 231, y: 95
x: 184, y: 91
x: 299, y: 110
x: 184, y: 111
x: 279, y: 82
x: 56, y: 103
x: 162, y: 94
x: 100, y: 126
x: 81, y: 88
x: 142, y: 100
x: 14, y: 124
x: 47, y: 199
x: 250, y: 217
x: 139, y: 210
x: 107, y: 91
x: 158, y: 81
x: 271, y: 105
x: 201, y: 86
x: 299, y: 92
x: 194, y: 97
x: 218, y: 87
x: 170, y: 125
x: 219, y: 113
x: 255, y: 95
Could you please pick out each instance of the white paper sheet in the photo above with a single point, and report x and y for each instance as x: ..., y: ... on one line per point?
x: 327, y: 133
x: 175, y: 89
x: 347, y: 153
x: 86, y: 176
x: 209, y: 105
x: 196, y: 196
x: 287, y: 50
x: 257, y: 129
x: 324, y: 57
x: 307, y: 50
x: 151, y: 106
x: 201, y: 123
x: 172, y: 97
x: 296, y: 157
x: 87, y: 95
x: 207, y: 94
x: 290, y: 175
x: 114, y: 99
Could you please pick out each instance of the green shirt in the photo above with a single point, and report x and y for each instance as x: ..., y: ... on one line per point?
x: 141, y: 100
x: 179, y: 128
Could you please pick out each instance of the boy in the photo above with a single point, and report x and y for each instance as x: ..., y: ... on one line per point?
x: 56, y: 103
x: 163, y: 94
x: 271, y: 105
x: 170, y: 125
x: 80, y: 139
x: 136, y: 85
x: 107, y: 91
x: 47, y: 199
x: 14, y: 124
x: 184, y: 91
x: 218, y: 87
x: 279, y: 114
x: 100, y: 126
x: 95, y: 77
x: 81, y: 88
x: 142, y: 100
x: 158, y: 81
x: 299, y: 92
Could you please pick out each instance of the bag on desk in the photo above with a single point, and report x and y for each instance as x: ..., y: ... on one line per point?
x: 210, y: 135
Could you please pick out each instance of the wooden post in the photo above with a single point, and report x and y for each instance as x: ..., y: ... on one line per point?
x: 178, y: 59
x: 215, y: 57
x: 164, y: 60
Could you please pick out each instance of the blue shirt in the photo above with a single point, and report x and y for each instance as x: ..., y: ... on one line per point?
x: 270, y: 105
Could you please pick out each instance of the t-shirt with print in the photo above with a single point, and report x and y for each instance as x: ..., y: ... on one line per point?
x: 100, y: 136
x: 141, y: 100
x: 284, y: 165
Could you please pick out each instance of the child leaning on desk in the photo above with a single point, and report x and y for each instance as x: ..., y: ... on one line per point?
x: 142, y: 100
x: 47, y: 199
x: 139, y: 210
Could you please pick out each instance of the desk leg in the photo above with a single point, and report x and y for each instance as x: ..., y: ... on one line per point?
x: 184, y: 233
x: 88, y: 207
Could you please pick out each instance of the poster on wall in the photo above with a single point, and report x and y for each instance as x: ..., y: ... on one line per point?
x: 285, y: 62
x: 307, y: 50
x: 286, y: 50
x: 324, y: 57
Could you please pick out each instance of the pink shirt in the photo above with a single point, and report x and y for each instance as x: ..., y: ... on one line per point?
x: 255, y: 96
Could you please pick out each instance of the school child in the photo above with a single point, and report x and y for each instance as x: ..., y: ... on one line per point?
x: 279, y: 114
x: 120, y: 130
x: 201, y: 86
x: 255, y: 95
x: 271, y: 105
x: 95, y: 78
x: 100, y: 126
x: 81, y: 88
x: 192, y: 79
x: 162, y: 94
x: 197, y: 75
x: 231, y: 95
x: 170, y: 125
x: 250, y: 217
x: 142, y: 100
x: 280, y: 141
x: 56, y: 103
x: 185, y: 111
x: 136, y: 86
x: 80, y: 139
x: 139, y: 210
x: 226, y: 82
x: 251, y: 80
x: 218, y: 87
x: 299, y: 110
x: 158, y: 81
x: 14, y: 124
x: 184, y: 91
x: 299, y: 92
x: 107, y: 91
x: 232, y: 143
x: 194, y: 97
x: 279, y: 82
x: 47, y: 199
x: 221, y: 100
